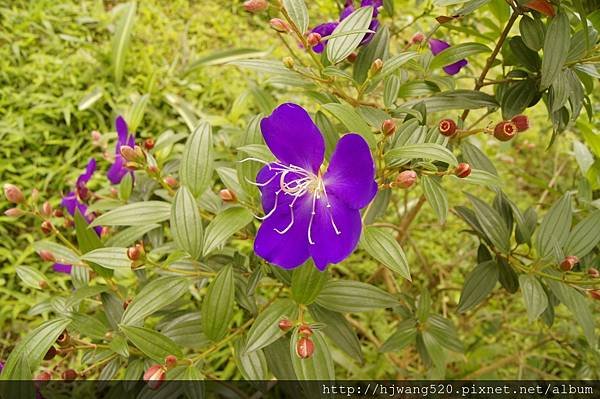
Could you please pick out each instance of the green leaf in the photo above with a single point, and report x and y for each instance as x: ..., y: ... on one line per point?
x: 90, y: 99
x: 128, y: 236
x: 517, y: 97
x: 430, y: 151
x: 88, y: 326
x: 457, y: 99
x: 482, y: 178
x: 339, y: 330
x: 434, y: 350
x: 110, y: 258
x: 223, y: 226
x: 584, y: 237
x: 536, y: 300
x: 121, y: 38
x: 265, y: 329
x: 377, y: 48
x: 436, y: 196
x: 154, y: 296
x: 524, y: 55
x: 186, y: 225
x: 186, y: 331
x: 31, y: 277
x: 252, y: 365
x: 298, y: 13
x: 152, y: 343
x: 225, y: 56
x: 196, y: 166
x: 279, y: 359
x: 555, y: 227
x: 136, y: 214
x: 136, y: 114
x: 307, y: 283
x: 444, y: 332
x: 382, y: 246
x: 317, y: 367
x: 217, y: 306
x: 456, y: 53
x: 391, y: 65
x: 352, y: 120
x: 342, y: 296
x: 491, y: 223
x: 478, y: 285
x: 532, y: 32
x: 341, y: 47
x: 118, y: 344
x: 61, y: 253
x: 126, y: 187
x: 556, y: 48
x: 405, y: 334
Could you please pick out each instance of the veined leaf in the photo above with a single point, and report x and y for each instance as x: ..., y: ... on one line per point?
x: 341, y: 47
x: 298, y: 13
x: 492, y: 224
x: 341, y: 296
x: 478, y: 285
x: 225, y: 56
x: 197, y: 162
x: 265, y: 329
x: 223, y: 226
x: 555, y: 227
x: 186, y: 225
x: 434, y: 152
x: 584, y: 237
x: 154, y: 296
x: 556, y: 48
x: 436, y: 196
x: 136, y: 214
x: 456, y: 53
x: 352, y: 120
x: 152, y: 343
x: 121, y: 38
x: 307, y: 283
x: 534, y: 296
x: 110, y: 258
x: 383, y: 247
x: 217, y: 307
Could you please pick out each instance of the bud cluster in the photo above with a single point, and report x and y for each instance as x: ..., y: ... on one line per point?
x: 506, y: 130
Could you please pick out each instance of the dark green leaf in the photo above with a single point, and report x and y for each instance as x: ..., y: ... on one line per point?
x: 354, y: 296
x: 405, y: 334
x: 196, y: 166
x: 307, y: 283
x: 534, y: 296
x: 555, y: 227
x: 382, y: 246
x: 186, y: 225
x: 152, y: 343
x: 154, y: 296
x: 556, y: 48
x: 491, y: 223
x: 478, y: 285
x: 223, y: 226
x: 265, y: 328
x: 217, y: 306
x: 339, y: 330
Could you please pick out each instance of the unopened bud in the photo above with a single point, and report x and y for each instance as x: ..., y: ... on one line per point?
x: 170, y: 362
x: 63, y: 339
x: 43, y: 376
x: 313, y: 39
x: 50, y: 354
x: 47, y: 227
x: 170, y: 181
x: 132, y: 165
x: 46, y: 255
x: 46, y: 209
x: 154, y: 376
x: 569, y: 263
x: 58, y: 213
x: 68, y: 223
x: 126, y: 303
x: 388, y: 127
x: 279, y: 25
x: 69, y: 375
x: 256, y: 5
x: 462, y: 170
x: 376, y: 67
x: 521, y: 122
x: 104, y: 231
x: 149, y: 144
x: 305, y: 330
x: 305, y: 348
x: 96, y: 136
x: 505, y: 131
x: 14, y: 212
x: 447, y: 127
x: 352, y: 57
x: 285, y: 324
x: 227, y: 195
x: 114, y: 192
x: 13, y: 193
x: 288, y: 62
x: 128, y: 153
x: 406, y: 179
x: 153, y: 169
x: 133, y: 253
x: 595, y: 294
x: 417, y: 38
x: 593, y: 272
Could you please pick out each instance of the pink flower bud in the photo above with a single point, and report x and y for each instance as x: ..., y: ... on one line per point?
x: 285, y: 324
x: 505, y: 131
x: 149, y: 143
x: 47, y: 227
x: 593, y: 272
x: 406, y: 179
x: 96, y: 137
x: 14, y: 212
x: 69, y: 375
x: 256, y: 5
x: 305, y: 348
x: 280, y: 25
x: 227, y: 195
x: 417, y: 38
x: 595, y: 294
x: 43, y: 376
x: 170, y: 362
x: 154, y: 376
x: 352, y: 57
x: 305, y: 330
x: 447, y: 127
x: 388, y: 127
x: 170, y: 181
x: 133, y: 253
x: 569, y: 263
x: 46, y: 256
x: 313, y: 39
x: 462, y: 170
x: 46, y: 209
x: 13, y: 193
x: 521, y: 122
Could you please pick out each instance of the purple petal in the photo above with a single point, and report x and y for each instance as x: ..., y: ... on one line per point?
x: 122, y: 130
x: 117, y: 170
x: 293, y: 137
x: 437, y: 46
x: 335, y: 232
x: 369, y: 36
x: 351, y: 173
x: 290, y: 249
x: 71, y: 203
x: 349, y: 9
x: 62, y: 268
x: 373, y: 3
x: 325, y: 29
x: 87, y: 175
x: 269, y: 182
x: 1, y: 367
x: 453, y: 69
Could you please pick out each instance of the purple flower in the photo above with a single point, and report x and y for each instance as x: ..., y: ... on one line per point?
x: 311, y: 212
x: 1, y: 367
x: 437, y: 46
x: 117, y: 170
x: 327, y: 28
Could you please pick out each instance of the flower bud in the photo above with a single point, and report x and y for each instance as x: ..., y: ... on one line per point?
x: 50, y: 354
x: 462, y: 170
x: 133, y: 253
x: 58, y: 213
x: 505, y: 131
x: 114, y: 193
x: 139, y: 153
x: 96, y: 136
x: 305, y: 330
x: 256, y: 5
x: 227, y: 195
x: 569, y: 263
x: 406, y: 179
x: 132, y: 165
x: 69, y: 375
x: 595, y: 294
x: 593, y: 272
x: 313, y: 39
x: 14, y: 212
x: 521, y: 122
x: 153, y: 169
x: 376, y: 67
x: 154, y: 376
x: 352, y: 57
x: 13, y: 193
x: 68, y: 223
x: 149, y: 143
x: 447, y: 127
x: 305, y: 348
x: 285, y: 324
x: 170, y: 181
x: 417, y: 38
x: 104, y: 231
x: 43, y: 376
x: 46, y: 256
x: 128, y: 153
x: 63, y: 339
x: 288, y: 62
x: 388, y: 127
x: 280, y: 25
x: 46, y: 227
x: 170, y: 362
x: 126, y: 303
x: 46, y: 209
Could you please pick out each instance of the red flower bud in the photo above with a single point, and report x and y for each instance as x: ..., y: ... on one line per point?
x: 406, y: 178
x: 170, y: 362
x: 256, y: 5
x: 69, y: 375
x: 285, y: 324
x: 595, y: 294
x: 149, y: 143
x: 58, y: 213
x: 376, y: 67
x: 417, y: 38
x: 388, y: 127
x: 154, y: 376
x: 447, y: 127
x: 505, y: 130
x: 305, y: 330
x: 126, y: 303
x: 313, y: 39
x: 569, y: 263
x: 46, y: 209
x: 46, y: 256
x: 46, y: 227
x: 43, y: 376
x: 170, y: 181
x: 543, y: 6
x: 133, y: 253
x: 104, y: 231
x: 50, y: 354
x: 593, y: 272
x: 227, y: 195
x: 128, y: 153
x: 305, y: 348
x: 352, y: 57
x: 521, y: 122
x: 280, y: 25
x: 13, y: 193
x: 14, y: 212
x: 462, y: 170
x: 63, y: 339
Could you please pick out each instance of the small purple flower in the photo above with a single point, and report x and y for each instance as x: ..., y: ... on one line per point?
x: 118, y: 170
x: 311, y: 212
x: 327, y: 28
x: 437, y: 46
x: 1, y: 366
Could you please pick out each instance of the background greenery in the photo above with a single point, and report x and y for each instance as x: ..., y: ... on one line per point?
x: 56, y: 86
